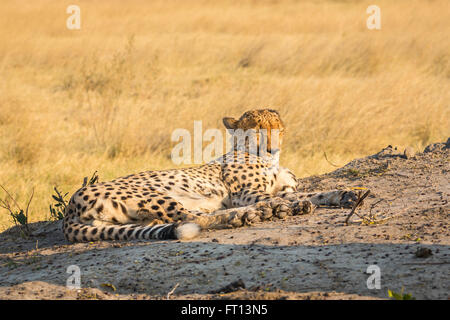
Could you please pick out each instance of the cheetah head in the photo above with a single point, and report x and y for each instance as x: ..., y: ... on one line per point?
x: 264, y: 122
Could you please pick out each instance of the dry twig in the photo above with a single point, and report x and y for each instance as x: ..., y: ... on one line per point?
x: 172, y: 291
x: 357, y: 204
x: 326, y: 158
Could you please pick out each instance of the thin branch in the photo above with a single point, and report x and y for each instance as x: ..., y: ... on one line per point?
x: 357, y: 204
x: 10, y: 197
x: 325, y: 155
x: 26, y: 211
x: 29, y: 201
x: 172, y: 291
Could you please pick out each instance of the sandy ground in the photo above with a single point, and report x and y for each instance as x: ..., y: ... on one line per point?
x: 314, y: 256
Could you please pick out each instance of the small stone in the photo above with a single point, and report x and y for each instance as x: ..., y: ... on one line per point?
x: 423, y: 252
x: 409, y: 153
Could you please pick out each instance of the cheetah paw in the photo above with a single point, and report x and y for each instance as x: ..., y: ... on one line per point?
x: 276, y: 207
x: 264, y: 210
x: 241, y: 218
x: 282, y: 210
x: 303, y: 207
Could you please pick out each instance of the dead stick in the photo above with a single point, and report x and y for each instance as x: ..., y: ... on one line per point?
x: 356, y: 205
x: 325, y: 155
x: 172, y: 291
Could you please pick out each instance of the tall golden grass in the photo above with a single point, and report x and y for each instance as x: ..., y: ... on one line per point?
x: 107, y: 97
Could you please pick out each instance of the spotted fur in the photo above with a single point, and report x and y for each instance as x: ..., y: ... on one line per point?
x: 178, y: 203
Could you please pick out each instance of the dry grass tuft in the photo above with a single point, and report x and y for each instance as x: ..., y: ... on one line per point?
x: 107, y: 97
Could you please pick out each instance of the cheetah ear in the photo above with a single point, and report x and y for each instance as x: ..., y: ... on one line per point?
x: 230, y: 123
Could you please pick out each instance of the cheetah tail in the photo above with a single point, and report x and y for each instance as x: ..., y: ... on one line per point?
x: 79, y: 232
x: 187, y: 231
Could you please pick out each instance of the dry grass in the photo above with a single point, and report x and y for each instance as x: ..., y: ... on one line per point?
x: 107, y: 97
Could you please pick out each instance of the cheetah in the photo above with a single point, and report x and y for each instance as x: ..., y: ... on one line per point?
x: 237, y: 189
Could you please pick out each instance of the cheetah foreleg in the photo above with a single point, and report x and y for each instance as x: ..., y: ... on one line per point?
x: 334, y: 198
x: 273, y: 208
x: 228, y: 218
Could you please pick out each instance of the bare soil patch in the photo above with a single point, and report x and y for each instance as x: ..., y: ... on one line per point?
x: 314, y: 256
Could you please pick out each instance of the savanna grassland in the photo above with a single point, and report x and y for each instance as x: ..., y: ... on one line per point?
x: 107, y: 97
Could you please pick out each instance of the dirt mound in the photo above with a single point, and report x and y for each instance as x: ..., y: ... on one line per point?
x: 304, y: 257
